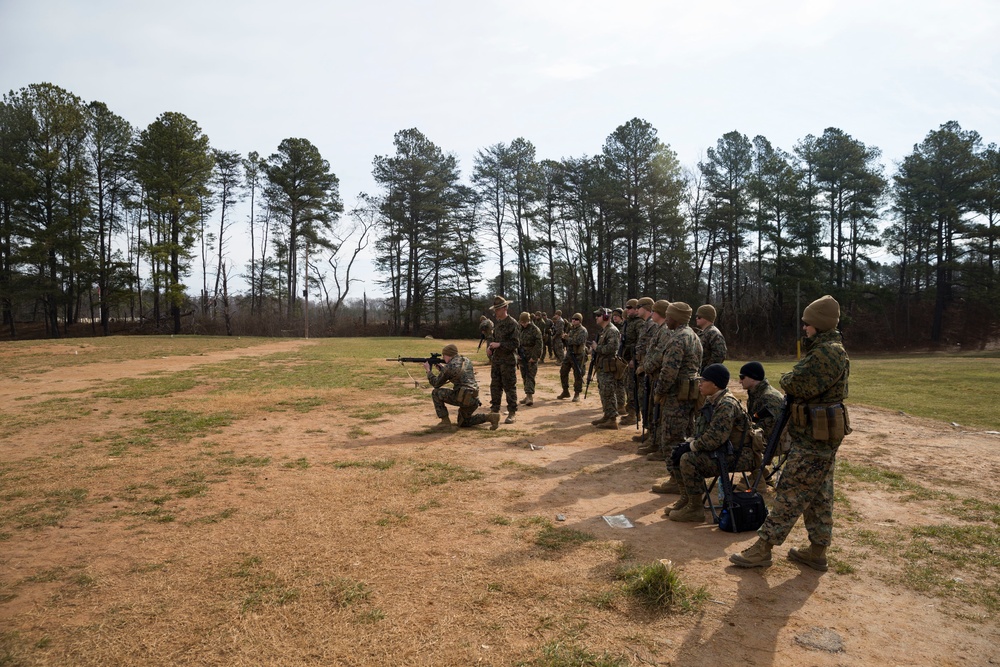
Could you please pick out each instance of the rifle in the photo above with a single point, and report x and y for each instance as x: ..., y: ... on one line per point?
x: 576, y: 362
x: 590, y: 372
x: 635, y: 394
x: 775, y: 438
x: 434, y: 360
x: 482, y: 337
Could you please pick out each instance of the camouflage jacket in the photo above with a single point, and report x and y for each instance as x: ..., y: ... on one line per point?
x: 644, y: 337
x: 558, y: 328
x: 713, y: 346
x: 506, y: 332
x: 681, y: 359
x: 764, y: 403
x: 659, y: 336
x: 531, y: 342
x: 630, y: 335
x: 458, y: 371
x: 607, y: 345
x: 486, y: 330
x: 820, y: 376
x: 546, y: 326
x: 715, y: 421
x: 576, y: 340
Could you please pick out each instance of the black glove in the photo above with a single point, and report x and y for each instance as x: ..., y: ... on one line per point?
x: 679, y: 451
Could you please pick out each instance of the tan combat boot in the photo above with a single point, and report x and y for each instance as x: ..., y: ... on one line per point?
x: 667, y: 486
x: 509, y: 420
x: 691, y: 512
x: 598, y: 422
x: 564, y: 394
x: 657, y: 455
x: 814, y: 556
x: 443, y: 425
x: 576, y: 397
x: 529, y: 399
x: 628, y: 419
x: 756, y: 555
x: 642, y: 437
x: 647, y: 448
x: 523, y: 400
x: 611, y: 424
x: 494, y: 418
x: 679, y: 504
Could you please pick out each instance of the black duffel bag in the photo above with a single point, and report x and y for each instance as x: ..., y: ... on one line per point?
x: 742, y: 511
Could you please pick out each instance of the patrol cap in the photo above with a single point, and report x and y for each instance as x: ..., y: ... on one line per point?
x: 524, y: 318
x: 679, y: 312
x: 707, y: 312
x: 661, y: 307
x: 717, y: 374
x: 632, y: 303
x: 646, y: 302
x: 449, y: 350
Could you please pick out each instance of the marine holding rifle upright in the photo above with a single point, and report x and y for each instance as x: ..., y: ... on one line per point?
x: 464, y: 392
x: 575, y: 341
x: 503, y: 357
x: 605, y: 349
x: 817, y: 387
x: 529, y: 352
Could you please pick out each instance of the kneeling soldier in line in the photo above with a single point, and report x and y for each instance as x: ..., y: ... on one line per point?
x: 720, y: 421
x: 458, y: 371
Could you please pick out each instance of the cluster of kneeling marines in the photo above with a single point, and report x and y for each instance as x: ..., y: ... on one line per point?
x: 652, y: 367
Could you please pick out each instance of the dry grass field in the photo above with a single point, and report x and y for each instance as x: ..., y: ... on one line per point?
x: 208, y: 501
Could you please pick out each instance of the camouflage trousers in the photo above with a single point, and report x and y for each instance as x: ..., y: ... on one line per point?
x: 608, y: 387
x: 620, y: 395
x: 558, y: 349
x: 672, y: 427
x: 696, y: 466
x: 528, y: 372
x: 806, y: 489
x: 503, y: 380
x: 564, y: 371
x: 640, y: 402
x: 443, y: 396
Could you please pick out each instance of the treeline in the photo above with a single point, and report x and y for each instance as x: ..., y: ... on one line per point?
x: 98, y: 215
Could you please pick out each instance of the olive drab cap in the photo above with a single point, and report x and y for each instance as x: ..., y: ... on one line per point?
x: 500, y: 302
x: 577, y: 316
x: 617, y: 311
x: 823, y: 313
x: 679, y: 312
x: 632, y: 303
x: 558, y: 312
x: 449, y: 350
x: 661, y: 307
x: 646, y: 302
x: 524, y: 318
x: 707, y: 312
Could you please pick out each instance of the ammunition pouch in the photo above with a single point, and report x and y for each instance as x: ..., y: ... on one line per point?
x: 828, y: 421
x: 621, y: 368
x: 687, y: 389
x: 466, y: 396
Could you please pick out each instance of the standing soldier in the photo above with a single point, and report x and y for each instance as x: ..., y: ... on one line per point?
x: 713, y: 344
x: 618, y: 319
x: 546, y: 326
x: 652, y: 361
x: 676, y: 390
x: 557, y: 330
x: 528, y: 354
x: 605, y: 349
x: 503, y: 356
x: 465, y: 392
x: 647, y: 330
x: 630, y: 336
x: 575, y: 341
x: 818, y: 424
x: 485, y: 331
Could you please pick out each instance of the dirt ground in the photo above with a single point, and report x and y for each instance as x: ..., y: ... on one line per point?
x: 328, y: 536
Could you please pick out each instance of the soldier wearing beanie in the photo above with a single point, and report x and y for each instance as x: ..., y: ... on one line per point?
x: 575, y: 341
x: 713, y: 344
x: 529, y: 352
x: 463, y: 393
x: 656, y: 333
x: 817, y: 387
x: 763, y: 401
x: 556, y: 331
x: 717, y: 420
x: 605, y: 349
x: 676, y: 390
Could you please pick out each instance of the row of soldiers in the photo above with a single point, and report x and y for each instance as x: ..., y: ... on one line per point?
x: 653, y: 367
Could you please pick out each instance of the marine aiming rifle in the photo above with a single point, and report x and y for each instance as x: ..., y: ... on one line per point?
x: 434, y: 360
x: 775, y: 439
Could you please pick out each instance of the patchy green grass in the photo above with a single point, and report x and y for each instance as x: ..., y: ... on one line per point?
x: 569, y: 653
x: 658, y: 586
x: 435, y: 473
x: 182, y: 425
x: 887, y: 479
x: 552, y: 538
x: 132, y: 389
x: 344, y: 592
x: 377, y: 464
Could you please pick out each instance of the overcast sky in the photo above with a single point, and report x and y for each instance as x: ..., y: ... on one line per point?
x: 562, y: 74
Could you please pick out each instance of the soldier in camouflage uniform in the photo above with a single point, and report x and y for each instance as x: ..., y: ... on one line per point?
x: 575, y: 341
x: 503, y: 356
x: 630, y: 336
x: 676, y: 389
x: 721, y: 421
x: 604, y: 349
x: 464, y: 391
x: 817, y: 386
x: 528, y: 354
x: 546, y: 327
x: 763, y: 401
x: 556, y: 332
x: 485, y: 330
x: 646, y: 330
x: 658, y: 335
x: 621, y: 396
x: 713, y: 345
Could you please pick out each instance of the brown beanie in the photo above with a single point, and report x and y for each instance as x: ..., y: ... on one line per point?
x: 558, y: 312
x: 577, y: 316
x: 680, y: 312
x: 524, y: 318
x: 823, y: 313
x: 661, y: 307
x: 632, y: 303
x: 707, y: 312
x: 647, y: 303
x: 450, y: 350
